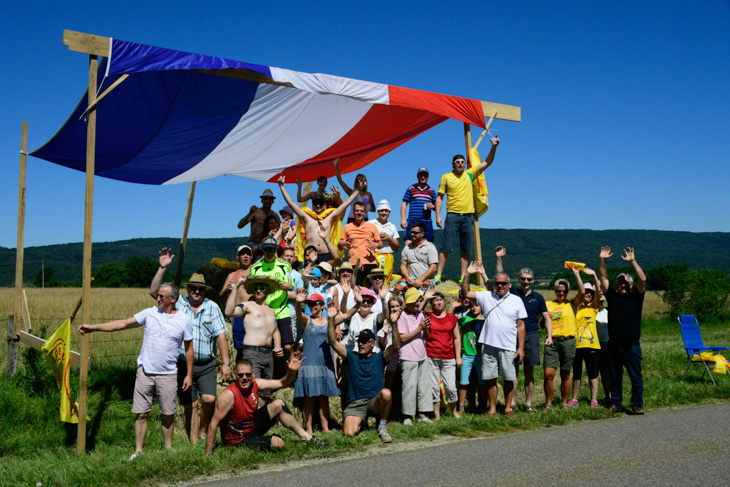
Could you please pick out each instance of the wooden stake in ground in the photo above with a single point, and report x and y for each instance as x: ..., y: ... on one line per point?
x: 477, y: 237
x: 184, y: 237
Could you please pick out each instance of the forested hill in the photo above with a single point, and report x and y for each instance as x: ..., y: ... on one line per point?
x: 543, y: 250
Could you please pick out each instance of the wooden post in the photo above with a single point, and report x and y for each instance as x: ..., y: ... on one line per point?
x: 477, y: 239
x: 184, y: 238
x: 12, y: 365
x: 88, y: 221
x: 19, y: 249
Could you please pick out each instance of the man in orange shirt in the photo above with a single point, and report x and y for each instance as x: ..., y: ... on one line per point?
x: 362, y: 239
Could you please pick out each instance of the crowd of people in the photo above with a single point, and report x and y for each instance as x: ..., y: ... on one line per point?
x: 316, y: 305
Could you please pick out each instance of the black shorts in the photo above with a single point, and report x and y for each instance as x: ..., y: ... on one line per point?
x: 364, y: 271
x: 262, y: 424
x: 284, y: 326
x: 204, y: 380
x: 262, y: 362
x: 590, y: 357
x: 532, y: 350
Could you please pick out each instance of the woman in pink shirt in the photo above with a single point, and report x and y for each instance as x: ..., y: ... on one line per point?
x: 415, y: 378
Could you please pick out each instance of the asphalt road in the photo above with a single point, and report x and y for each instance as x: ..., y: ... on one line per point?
x: 687, y: 446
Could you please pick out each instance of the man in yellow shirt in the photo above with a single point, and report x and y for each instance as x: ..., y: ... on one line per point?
x: 457, y: 185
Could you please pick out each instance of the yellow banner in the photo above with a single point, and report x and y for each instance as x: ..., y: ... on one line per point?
x: 481, y: 194
x: 58, y: 353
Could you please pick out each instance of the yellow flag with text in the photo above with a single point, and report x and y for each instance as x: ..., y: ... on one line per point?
x: 58, y: 353
x: 481, y: 194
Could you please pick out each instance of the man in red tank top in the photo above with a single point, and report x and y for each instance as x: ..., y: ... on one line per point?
x: 243, y: 423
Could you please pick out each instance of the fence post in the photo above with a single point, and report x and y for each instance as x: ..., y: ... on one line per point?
x: 12, y: 365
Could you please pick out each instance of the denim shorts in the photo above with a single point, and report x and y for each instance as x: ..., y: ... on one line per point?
x: 461, y: 225
x: 469, y: 362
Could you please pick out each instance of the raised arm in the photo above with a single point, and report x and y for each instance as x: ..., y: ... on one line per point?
x: 630, y: 257
x: 299, y: 307
x: 165, y: 258
x: 292, y: 367
x: 581, y: 288
x: 285, y: 194
x: 338, y: 347
x: 500, y: 253
x: 490, y: 157
x: 597, y: 294
x: 340, y: 210
x: 232, y: 310
x: 475, y: 267
x: 344, y: 185
x: 393, y: 348
x: 602, y: 271
x: 247, y: 219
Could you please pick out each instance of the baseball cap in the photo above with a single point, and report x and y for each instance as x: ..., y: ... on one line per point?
x: 315, y: 273
x: 365, y: 336
x: 243, y: 247
x: 422, y: 169
x: 269, y: 243
x: 589, y: 287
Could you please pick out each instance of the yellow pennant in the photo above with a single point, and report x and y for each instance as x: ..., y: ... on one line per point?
x: 481, y: 194
x: 58, y: 353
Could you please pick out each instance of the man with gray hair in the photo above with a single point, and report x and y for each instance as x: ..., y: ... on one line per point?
x: 536, y: 309
x: 625, y: 303
x: 165, y: 331
x: 503, y: 332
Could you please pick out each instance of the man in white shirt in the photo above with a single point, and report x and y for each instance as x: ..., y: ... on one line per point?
x: 165, y: 330
x: 504, y: 326
x: 389, y: 236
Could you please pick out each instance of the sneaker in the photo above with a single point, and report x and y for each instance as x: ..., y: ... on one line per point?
x: 461, y: 279
x: 573, y: 402
x: 424, y: 420
x: 458, y: 414
x: 637, y: 410
x: 437, y: 279
x: 615, y: 409
x: 134, y: 455
x: 317, y: 441
x: 510, y: 415
x: 594, y: 404
x: 384, y: 435
x: 407, y: 422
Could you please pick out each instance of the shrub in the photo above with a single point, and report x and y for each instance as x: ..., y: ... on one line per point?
x: 703, y: 292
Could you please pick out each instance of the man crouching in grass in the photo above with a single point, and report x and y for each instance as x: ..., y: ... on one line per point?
x: 243, y: 423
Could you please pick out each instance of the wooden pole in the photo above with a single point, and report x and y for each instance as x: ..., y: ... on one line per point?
x: 477, y: 239
x: 184, y: 238
x: 19, y: 249
x: 12, y: 364
x: 88, y: 220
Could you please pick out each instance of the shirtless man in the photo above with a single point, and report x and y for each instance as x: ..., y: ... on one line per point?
x: 312, y: 225
x: 262, y: 336
x: 256, y: 217
x: 245, y: 258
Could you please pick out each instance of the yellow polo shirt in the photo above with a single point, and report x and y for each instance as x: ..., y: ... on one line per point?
x: 458, y: 191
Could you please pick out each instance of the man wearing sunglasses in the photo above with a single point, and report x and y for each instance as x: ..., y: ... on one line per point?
x: 504, y: 327
x: 209, y: 333
x: 166, y: 331
x: 244, y: 255
x: 418, y: 262
x: 536, y: 310
x: 241, y: 419
x: 262, y: 338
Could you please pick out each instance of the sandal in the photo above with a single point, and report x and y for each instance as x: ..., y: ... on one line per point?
x: 530, y: 409
x: 548, y: 407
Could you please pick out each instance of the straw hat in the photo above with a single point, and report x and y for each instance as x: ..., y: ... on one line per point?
x: 197, y: 280
x: 251, y: 281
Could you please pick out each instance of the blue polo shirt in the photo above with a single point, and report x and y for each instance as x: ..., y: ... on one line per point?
x: 534, y: 305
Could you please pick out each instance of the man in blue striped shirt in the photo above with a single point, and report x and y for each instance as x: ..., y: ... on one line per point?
x: 422, y: 198
x: 209, y: 333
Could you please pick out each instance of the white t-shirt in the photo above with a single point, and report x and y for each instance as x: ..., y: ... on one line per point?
x: 389, y: 229
x: 378, y: 306
x: 358, y: 324
x: 500, y: 325
x: 163, y: 336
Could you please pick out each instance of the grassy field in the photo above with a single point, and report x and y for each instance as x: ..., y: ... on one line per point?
x: 36, y: 447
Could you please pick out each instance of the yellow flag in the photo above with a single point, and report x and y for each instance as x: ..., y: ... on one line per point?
x: 481, y: 194
x: 58, y: 353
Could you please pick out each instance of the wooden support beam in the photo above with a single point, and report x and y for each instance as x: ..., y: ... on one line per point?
x: 11, y: 367
x: 26, y: 315
x: 503, y: 112
x: 184, y: 237
x: 20, y: 243
x: 88, y: 221
x: 106, y: 92
x: 87, y: 43
x: 477, y: 237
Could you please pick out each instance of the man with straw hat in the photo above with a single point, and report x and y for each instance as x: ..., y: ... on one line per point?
x: 262, y: 339
x: 209, y: 333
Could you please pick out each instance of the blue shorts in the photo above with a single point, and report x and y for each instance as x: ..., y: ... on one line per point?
x: 429, y: 229
x: 469, y: 362
x: 461, y: 225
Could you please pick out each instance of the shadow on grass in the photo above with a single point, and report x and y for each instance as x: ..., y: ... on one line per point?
x: 106, y: 384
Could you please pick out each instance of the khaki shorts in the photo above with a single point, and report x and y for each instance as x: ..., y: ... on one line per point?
x: 360, y: 407
x: 146, y: 386
x: 560, y: 354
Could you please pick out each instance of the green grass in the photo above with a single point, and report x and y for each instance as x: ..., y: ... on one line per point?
x: 36, y: 447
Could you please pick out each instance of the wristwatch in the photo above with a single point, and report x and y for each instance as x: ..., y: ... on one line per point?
x: 226, y: 363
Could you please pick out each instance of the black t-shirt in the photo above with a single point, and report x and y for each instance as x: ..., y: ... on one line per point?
x: 624, y: 316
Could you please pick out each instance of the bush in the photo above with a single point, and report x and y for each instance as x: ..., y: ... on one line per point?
x: 703, y: 292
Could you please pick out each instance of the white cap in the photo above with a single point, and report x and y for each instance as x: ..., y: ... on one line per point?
x: 383, y: 205
x: 588, y: 287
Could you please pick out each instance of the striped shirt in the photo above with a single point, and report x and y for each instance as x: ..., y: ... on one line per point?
x: 417, y: 198
x: 208, y: 323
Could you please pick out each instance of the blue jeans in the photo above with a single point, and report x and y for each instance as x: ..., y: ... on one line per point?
x: 630, y: 357
x: 461, y: 226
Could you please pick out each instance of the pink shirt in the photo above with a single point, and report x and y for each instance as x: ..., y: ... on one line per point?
x: 415, y: 349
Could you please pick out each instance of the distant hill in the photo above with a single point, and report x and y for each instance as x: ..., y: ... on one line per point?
x: 543, y: 250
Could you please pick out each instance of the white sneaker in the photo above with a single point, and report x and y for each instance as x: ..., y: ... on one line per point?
x: 425, y: 420
x: 407, y: 422
x: 384, y: 435
x: 134, y: 455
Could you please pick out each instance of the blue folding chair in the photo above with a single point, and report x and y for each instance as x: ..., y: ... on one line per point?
x: 694, y: 346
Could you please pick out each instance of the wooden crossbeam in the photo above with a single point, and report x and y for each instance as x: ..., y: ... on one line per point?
x: 37, y: 343
x: 87, y: 43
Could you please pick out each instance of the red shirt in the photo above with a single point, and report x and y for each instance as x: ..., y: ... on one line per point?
x: 440, y: 344
x: 239, y: 421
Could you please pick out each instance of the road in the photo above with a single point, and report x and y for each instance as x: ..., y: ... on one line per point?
x: 687, y: 446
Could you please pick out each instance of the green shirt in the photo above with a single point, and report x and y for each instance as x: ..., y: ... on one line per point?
x: 470, y: 328
x: 278, y: 271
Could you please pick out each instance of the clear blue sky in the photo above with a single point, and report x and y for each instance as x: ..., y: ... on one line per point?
x: 624, y: 105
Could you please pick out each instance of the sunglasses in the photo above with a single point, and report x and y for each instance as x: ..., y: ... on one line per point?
x: 244, y: 252
x: 368, y: 302
x: 196, y: 289
x: 528, y: 279
x: 244, y: 374
x: 315, y: 303
x: 500, y: 283
x: 561, y: 291
x: 364, y: 341
x: 380, y: 278
x: 260, y: 288
x: 345, y: 271
x: 415, y: 233
x: 162, y: 296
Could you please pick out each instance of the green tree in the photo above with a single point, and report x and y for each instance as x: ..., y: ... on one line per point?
x: 47, y: 280
x: 141, y: 271
x: 703, y: 292
x: 112, y: 274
